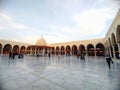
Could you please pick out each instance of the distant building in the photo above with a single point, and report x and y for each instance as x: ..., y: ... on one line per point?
x: 40, y: 49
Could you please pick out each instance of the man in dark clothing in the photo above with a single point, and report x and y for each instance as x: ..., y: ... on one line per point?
x: 109, y: 60
x: 13, y: 55
x: 49, y: 54
x: 83, y: 56
x: 10, y: 55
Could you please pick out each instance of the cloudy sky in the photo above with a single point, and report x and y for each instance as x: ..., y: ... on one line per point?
x: 56, y: 20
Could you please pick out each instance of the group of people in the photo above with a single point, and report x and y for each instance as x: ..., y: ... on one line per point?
x: 108, y: 59
x: 81, y: 56
x: 12, y: 55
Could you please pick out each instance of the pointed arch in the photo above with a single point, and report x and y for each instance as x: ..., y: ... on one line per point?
x: 22, y: 49
x: 90, y: 50
x: 100, y: 49
x: 15, y: 49
x: 62, y: 50
x: 7, y: 48
x: 53, y: 50
x: 74, y: 50
x: 82, y: 48
x: 57, y: 50
x: 28, y: 50
x: 68, y: 50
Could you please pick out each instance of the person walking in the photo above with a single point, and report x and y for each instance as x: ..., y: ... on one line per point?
x: 109, y: 61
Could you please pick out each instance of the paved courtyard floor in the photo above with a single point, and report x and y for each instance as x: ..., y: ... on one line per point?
x: 66, y: 73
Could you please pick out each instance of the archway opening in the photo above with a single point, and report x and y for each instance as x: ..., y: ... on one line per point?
x: 16, y: 49
x: 22, y: 49
x: 90, y: 50
x: 100, y: 49
x: 116, y: 50
x: 62, y: 50
x: 74, y: 50
x: 7, y: 48
x: 68, y: 50
x: 57, y: 50
x: 28, y: 50
x: 82, y: 49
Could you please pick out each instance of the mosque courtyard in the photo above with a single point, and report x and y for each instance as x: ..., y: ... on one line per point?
x: 64, y: 73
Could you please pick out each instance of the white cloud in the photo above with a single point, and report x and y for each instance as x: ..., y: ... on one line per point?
x: 28, y: 39
x: 7, y: 22
x: 3, y: 15
x: 88, y: 23
x: 59, y: 38
x: 19, y: 26
x: 53, y: 26
x: 92, y: 21
x: 1, y: 28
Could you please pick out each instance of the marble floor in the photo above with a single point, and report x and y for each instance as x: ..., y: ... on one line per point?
x: 64, y: 73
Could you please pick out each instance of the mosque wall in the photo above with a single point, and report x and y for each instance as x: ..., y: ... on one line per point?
x: 92, y: 47
x: 112, y: 38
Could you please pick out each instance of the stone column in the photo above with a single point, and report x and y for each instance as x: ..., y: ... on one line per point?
x: 113, y: 52
x: 1, y: 51
x: 43, y: 52
x: 31, y: 51
x: 50, y: 51
x: 1, y: 48
x: 95, y: 52
x: 106, y: 51
x: 118, y: 44
x: 19, y: 50
x: 35, y: 52
x: 109, y: 50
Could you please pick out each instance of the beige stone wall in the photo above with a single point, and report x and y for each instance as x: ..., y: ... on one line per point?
x: 94, y: 42
x: 13, y: 43
x: 112, y: 38
x: 113, y: 28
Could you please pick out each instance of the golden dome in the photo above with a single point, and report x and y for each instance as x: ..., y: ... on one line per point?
x: 41, y: 42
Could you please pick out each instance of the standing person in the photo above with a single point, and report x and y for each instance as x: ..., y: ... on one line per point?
x: 10, y: 55
x: 13, y: 55
x: 109, y: 61
x: 49, y: 54
x: 78, y: 55
x: 58, y: 56
x: 83, y: 56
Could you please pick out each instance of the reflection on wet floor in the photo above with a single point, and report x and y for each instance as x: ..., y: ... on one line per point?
x: 64, y: 73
